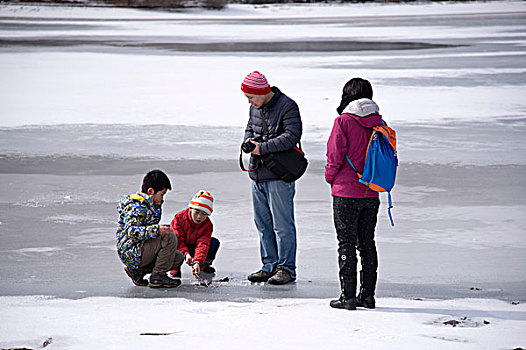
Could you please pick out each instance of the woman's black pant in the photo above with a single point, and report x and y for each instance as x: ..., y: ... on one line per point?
x: 355, y: 222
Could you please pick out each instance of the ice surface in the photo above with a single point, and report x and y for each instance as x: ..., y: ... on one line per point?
x: 92, y: 98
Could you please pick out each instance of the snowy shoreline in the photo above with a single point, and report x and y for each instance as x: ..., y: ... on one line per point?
x: 109, y: 323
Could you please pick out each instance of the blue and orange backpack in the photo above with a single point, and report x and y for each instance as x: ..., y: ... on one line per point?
x: 381, y: 163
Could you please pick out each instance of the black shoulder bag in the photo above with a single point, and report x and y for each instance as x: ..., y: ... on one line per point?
x: 288, y: 165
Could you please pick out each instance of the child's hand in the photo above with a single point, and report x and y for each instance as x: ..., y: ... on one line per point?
x: 196, y: 268
x: 164, y: 229
x: 188, y: 259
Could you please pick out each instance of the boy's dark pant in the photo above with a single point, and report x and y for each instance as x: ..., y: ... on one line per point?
x: 160, y: 255
x: 212, y: 250
x: 355, y: 223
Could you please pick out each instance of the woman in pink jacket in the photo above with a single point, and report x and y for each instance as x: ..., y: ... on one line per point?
x: 355, y: 208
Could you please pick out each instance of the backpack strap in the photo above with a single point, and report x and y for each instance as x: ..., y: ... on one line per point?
x: 359, y: 175
x: 352, y: 165
x: 389, y: 207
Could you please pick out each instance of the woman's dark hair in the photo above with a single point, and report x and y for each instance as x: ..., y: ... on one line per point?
x: 157, y: 180
x: 355, y: 89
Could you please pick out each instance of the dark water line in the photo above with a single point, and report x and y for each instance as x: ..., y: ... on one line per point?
x: 477, y: 18
x: 263, y: 46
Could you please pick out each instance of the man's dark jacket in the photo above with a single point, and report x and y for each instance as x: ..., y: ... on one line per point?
x: 284, y: 128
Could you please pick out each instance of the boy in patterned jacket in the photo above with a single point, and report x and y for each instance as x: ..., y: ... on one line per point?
x: 194, y: 234
x: 144, y: 246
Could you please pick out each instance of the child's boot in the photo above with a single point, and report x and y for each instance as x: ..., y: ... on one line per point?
x: 207, y: 267
x: 175, y: 273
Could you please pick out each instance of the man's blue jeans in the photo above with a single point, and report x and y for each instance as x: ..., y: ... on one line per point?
x: 273, y: 203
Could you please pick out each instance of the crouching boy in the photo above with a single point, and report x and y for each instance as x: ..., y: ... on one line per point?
x: 194, y: 234
x: 144, y: 246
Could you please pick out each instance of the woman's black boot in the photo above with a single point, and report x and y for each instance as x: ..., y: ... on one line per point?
x: 367, y: 288
x: 367, y: 302
x: 348, y: 286
x: 342, y: 303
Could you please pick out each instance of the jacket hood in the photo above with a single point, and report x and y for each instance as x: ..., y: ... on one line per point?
x: 139, y: 196
x: 365, y: 112
x: 362, y: 107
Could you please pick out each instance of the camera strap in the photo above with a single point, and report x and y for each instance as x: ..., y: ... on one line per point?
x: 243, y: 166
x: 264, y: 122
x: 265, y: 128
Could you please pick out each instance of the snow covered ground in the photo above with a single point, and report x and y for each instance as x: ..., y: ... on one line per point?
x: 109, y: 323
x: 84, y: 91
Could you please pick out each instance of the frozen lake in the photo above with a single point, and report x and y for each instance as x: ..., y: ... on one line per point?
x: 93, y: 98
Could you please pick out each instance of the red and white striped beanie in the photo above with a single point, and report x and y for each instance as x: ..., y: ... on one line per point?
x: 204, y: 201
x: 255, y: 84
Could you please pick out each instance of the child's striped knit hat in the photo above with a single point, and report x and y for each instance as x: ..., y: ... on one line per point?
x: 255, y: 84
x: 204, y: 201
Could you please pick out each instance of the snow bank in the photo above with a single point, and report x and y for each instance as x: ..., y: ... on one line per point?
x: 110, y: 323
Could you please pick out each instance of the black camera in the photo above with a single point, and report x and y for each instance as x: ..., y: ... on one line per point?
x: 247, y: 146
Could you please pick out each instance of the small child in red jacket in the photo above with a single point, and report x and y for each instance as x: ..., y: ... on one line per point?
x: 193, y: 229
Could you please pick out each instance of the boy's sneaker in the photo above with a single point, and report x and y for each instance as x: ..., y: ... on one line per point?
x: 282, y: 276
x: 208, y: 269
x: 136, y: 277
x: 162, y: 280
x: 260, y: 276
x: 175, y: 273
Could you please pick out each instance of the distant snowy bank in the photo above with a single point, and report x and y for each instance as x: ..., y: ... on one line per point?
x: 274, y: 11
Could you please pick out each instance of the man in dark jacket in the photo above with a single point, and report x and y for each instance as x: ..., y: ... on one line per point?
x: 274, y: 125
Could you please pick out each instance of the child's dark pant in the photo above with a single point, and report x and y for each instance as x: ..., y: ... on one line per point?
x: 212, y: 250
x: 355, y: 222
x: 160, y: 254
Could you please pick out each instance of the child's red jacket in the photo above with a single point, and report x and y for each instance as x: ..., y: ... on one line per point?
x: 190, y: 234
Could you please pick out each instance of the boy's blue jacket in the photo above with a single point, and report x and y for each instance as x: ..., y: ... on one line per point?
x: 138, y: 221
